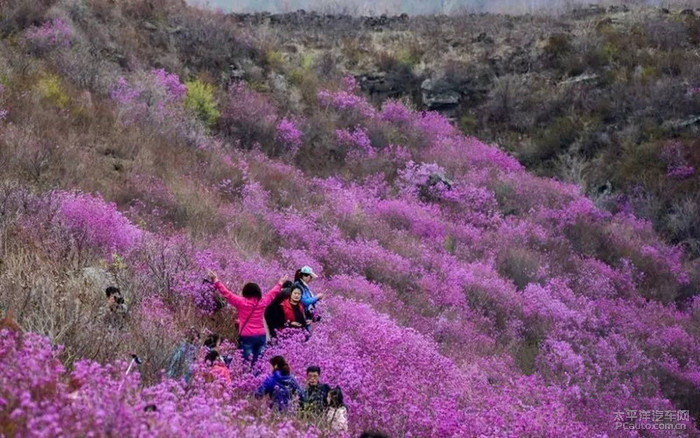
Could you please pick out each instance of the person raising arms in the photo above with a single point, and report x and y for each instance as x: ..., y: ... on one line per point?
x: 251, y: 310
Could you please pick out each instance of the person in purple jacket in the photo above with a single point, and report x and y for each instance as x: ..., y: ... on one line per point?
x: 280, y: 386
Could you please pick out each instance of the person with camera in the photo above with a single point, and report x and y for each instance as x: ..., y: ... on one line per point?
x: 114, y: 310
x: 302, y: 279
x: 251, y: 306
x: 115, y: 301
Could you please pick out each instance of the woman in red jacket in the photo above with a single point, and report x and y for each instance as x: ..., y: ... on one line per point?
x: 294, y: 310
x: 251, y: 310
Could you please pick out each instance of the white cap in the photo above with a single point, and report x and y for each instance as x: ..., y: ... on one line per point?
x: 306, y: 270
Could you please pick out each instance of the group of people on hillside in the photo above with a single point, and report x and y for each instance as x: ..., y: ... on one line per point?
x: 287, y: 304
x: 318, y: 401
x: 260, y: 317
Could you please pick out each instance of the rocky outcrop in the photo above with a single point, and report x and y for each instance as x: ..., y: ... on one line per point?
x: 378, y: 84
x: 439, y: 94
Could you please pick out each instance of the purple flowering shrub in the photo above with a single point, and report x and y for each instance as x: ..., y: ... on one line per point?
x: 248, y: 116
x: 74, y: 222
x: 50, y: 35
x: 677, y: 166
x: 289, y: 136
x: 156, y: 99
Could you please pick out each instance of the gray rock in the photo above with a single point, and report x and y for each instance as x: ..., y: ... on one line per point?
x: 98, y: 277
x: 381, y: 85
x: 436, y: 178
x: 586, y: 12
x: 683, y: 123
x: 483, y: 38
x: 279, y: 83
x: 438, y: 94
x: 150, y: 26
x: 586, y: 77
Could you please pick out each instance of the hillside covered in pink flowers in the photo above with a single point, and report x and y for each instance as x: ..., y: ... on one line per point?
x: 464, y: 296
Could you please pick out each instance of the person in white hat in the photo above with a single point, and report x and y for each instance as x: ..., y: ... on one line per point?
x: 302, y: 278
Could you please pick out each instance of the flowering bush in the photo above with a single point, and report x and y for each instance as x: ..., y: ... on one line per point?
x: 81, y: 222
x: 51, y: 34
x: 248, y: 116
x: 289, y: 136
x: 156, y: 98
x: 357, y: 142
x: 346, y: 100
x: 676, y: 165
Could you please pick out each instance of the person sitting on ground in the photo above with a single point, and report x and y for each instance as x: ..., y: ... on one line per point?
x: 293, y: 310
x: 315, y: 393
x: 280, y: 386
x: 251, y: 309
x: 302, y: 278
x: 336, y: 417
x: 274, y: 315
x: 219, y: 371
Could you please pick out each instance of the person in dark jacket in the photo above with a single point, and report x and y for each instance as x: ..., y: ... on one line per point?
x: 280, y: 386
x: 274, y: 315
x: 315, y: 393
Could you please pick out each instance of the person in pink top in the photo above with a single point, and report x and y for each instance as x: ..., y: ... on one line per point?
x: 251, y: 306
